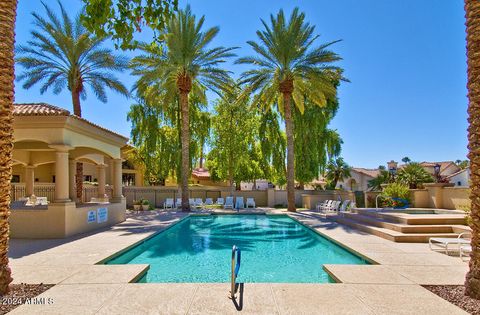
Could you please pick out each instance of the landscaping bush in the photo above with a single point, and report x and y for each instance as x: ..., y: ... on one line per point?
x: 395, y: 195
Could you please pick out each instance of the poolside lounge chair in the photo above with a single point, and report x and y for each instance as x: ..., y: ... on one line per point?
x: 239, y: 204
x: 191, y: 202
x: 220, y: 201
x: 208, y: 202
x: 198, y: 203
x: 323, y: 205
x: 331, y: 208
x: 168, y: 204
x: 344, y: 207
x: 250, y: 202
x: 228, y: 203
x: 465, y: 250
x: 445, y: 242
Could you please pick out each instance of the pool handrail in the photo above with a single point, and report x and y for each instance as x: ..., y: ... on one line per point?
x: 236, y: 259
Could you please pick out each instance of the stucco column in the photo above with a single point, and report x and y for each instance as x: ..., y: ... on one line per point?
x: 72, y: 167
x: 61, y: 173
x: 101, y: 180
x: 29, y: 180
x: 117, y: 179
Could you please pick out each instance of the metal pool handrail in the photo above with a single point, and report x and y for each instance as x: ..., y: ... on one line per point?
x: 236, y: 259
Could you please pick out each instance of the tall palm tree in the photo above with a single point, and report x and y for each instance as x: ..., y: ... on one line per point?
x: 182, y: 67
x: 63, y: 54
x: 472, y: 9
x: 286, y: 67
x: 337, y: 170
x: 8, y: 9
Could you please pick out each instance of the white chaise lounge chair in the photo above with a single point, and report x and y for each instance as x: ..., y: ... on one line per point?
x: 198, y: 203
x: 323, y: 205
x: 168, y: 204
x: 228, y: 203
x: 250, y: 202
x: 446, y: 243
x: 344, y: 207
x: 208, y: 202
x: 220, y: 201
x: 239, y: 204
x: 178, y: 204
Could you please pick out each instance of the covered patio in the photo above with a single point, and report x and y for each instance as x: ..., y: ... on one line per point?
x: 49, y: 145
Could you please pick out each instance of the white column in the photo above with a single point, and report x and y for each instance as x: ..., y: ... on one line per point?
x: 61, y: 173
x: 29, y: 180
x: 72, y: 169
x: 101, y: 180
x: 117, y: 179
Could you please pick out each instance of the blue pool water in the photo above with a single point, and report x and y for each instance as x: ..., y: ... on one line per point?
x: 274, y: 249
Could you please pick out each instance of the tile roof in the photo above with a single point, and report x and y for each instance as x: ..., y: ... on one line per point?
x: 456, y: 173
x: 372, y: 172
x: 201, y: 173
x: 38, y: 109
x: 44, y: 109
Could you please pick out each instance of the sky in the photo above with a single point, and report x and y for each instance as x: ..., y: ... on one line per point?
x: 406, y: 62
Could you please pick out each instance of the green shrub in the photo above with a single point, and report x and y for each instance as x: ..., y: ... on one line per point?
x: 395, y: 190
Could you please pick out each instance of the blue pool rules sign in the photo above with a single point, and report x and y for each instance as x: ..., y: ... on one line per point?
x: 91, y: 216
x: 102, y: 215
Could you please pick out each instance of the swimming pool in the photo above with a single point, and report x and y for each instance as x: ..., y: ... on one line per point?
x: 274, y: 249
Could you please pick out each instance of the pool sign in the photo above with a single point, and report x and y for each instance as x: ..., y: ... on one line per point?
x: 91, y: 216
x: 102, y: 215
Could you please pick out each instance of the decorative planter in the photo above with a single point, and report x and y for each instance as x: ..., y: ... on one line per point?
x: 145, y: 207
x: 136, y: 207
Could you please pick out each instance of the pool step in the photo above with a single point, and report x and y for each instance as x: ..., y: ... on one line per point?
x: 417, y: 219
x: 399, y: 227
x: 391, y: 235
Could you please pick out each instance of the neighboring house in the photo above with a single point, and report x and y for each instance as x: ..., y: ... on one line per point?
x: 201, y: 176
x: 359, y: 179
x: 260, y: 184
x: 446, y: 167
x: 460, y: 178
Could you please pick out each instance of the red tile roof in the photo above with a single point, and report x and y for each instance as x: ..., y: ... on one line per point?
x: 44, y: 109
x: 372, y: 172
x: 201, y: 173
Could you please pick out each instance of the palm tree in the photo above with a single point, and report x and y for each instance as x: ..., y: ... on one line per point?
x: 337, y: 170
x: 414, y: 175
x: 182, y: 67
x: 63, y: 54
x: 288, y: 67
x: 8, y: 11
x: 383, y: 177
x: 472, y: 9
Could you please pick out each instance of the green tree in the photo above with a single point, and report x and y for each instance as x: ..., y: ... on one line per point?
x: 315, y: 144
x: 406, y: 160
x: 184, y: 66
x: 413, y: 175
x: 383, y: 177
x: 121, y: 19
x: 337, y: 170
x: 286, y: 67
x: 201, y: 128
x: 234, y: 128
x: 463, y: 164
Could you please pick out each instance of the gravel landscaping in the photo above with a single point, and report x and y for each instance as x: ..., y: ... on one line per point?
x: 455, y: 295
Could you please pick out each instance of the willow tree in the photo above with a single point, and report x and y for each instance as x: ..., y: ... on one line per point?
x: 472, y: 9
x: 234, y: 129
x: 181, y: 67
x: 287, y: 67
x: 8, y: 12
x: 315, y: 143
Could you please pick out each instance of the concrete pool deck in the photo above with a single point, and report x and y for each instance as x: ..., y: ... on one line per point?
x: 392, y: 286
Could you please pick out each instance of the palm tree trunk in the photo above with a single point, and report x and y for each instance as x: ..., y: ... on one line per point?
x: 77, y: 109
x: 185, y: 149
x: 472, y: 9
x: 290, y: 152
x: 8, y: 10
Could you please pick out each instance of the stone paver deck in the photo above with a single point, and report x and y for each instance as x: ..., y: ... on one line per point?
x: 389, y: 286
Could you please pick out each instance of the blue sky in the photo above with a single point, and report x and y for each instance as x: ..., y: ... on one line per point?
x: 405, y: 59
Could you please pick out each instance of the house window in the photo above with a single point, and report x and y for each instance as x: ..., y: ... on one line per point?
x: 15, y: 179
x: 128, y: 179
x: 459, y: 183
x: 87, y: 178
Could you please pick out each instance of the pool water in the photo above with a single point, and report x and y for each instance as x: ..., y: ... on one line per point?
x: 274, y: 249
